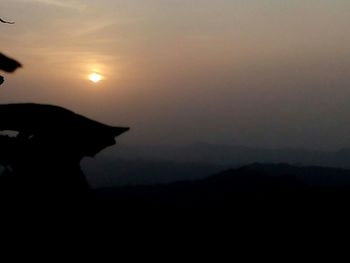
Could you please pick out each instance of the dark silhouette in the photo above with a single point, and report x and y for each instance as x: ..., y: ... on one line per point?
x: 6, y: 22
x: 252, y: 188
x: 43, y: 160
x: 8, y: 64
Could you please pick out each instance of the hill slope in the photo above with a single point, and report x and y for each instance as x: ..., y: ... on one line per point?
x: 257, y: 185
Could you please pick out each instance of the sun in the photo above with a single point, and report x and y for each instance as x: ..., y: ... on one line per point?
x: 95, y: 77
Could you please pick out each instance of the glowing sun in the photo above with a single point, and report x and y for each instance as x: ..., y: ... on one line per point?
x: 95, y: 77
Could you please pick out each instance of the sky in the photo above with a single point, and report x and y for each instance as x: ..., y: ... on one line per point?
x: 265, y: 73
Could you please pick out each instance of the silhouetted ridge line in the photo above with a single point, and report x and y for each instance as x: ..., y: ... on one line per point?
x: 256, y: 186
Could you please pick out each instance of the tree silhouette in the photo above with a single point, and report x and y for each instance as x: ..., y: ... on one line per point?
x: 7, y: 64
x: 43, y: 158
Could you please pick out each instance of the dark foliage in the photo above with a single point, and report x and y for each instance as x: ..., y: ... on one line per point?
x: 43, y: 160
x: 8, y: 64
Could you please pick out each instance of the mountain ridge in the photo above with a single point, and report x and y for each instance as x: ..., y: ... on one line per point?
x: 254, y: 185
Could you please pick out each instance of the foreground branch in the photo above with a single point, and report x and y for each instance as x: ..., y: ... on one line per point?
x: 8, y: 64
x: 6, y: 22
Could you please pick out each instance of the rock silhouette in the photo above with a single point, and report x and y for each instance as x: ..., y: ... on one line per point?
x: 43, y: 159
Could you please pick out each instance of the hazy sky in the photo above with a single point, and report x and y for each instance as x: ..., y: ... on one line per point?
x: 251, y: 72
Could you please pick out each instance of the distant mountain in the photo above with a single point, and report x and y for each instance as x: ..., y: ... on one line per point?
x: 231, y: 155
x: 108, y: 172
x: 127, y: 164
x: 257, y: 185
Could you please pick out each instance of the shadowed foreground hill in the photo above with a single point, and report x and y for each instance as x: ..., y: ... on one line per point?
x: 254, y: 186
